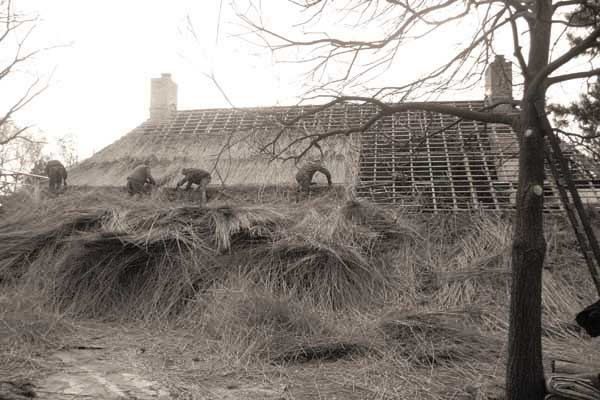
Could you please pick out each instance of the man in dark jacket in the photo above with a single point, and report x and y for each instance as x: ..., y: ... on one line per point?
x: 195, y: 176
x: 306, y: 173
x: 57, y: 175
x: 138, y: 178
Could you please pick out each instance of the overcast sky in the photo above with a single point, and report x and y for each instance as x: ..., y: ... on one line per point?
x: 100, y: 80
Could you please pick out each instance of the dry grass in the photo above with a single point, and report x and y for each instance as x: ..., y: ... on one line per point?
x: 446, y: 337
x: 146, y: 259
x: 327, y: 258
x: 27, y: 332
x: 144, y: 263
x: 400, y: 306
x: 22, y: 245
x: 256, y: 324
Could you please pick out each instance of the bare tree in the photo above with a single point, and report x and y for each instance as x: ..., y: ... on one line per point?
x: 20, y: 154
x: 67, y: 149
x: 15, y: 30
x: 529, y: 24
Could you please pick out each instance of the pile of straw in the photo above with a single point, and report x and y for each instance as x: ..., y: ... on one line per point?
x: 147, y: 263
x: 330, y: 259
x: 446, y: 337
x: 128, y: 258
x: 20, y: 244
x: 146, y: 259
x: 278, y: 329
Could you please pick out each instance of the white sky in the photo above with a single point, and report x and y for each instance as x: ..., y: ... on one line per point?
x: 100, y: 84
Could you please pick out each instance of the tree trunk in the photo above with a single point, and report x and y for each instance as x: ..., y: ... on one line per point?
x: 525, y: 373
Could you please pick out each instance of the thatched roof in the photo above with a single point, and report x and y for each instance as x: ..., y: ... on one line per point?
x: 196, y: 138
x: 229, y: 138
x: 424, y: 159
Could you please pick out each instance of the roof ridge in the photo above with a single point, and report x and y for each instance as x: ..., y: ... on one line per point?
x: 285, y: 107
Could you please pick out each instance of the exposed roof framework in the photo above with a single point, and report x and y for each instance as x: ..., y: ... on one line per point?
x: 415, y: 159
x: 429, y: 161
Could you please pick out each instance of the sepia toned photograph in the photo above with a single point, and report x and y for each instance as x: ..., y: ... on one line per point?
x: 300, y: 199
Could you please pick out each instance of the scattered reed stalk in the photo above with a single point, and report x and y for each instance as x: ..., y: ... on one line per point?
x: 104, y: 255
x: 448, y: 336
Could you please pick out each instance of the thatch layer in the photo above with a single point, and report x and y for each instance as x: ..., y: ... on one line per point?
x: 148, y: 259
x: 230, y: 143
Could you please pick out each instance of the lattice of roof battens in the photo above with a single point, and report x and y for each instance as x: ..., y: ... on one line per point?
x: 420, y: 160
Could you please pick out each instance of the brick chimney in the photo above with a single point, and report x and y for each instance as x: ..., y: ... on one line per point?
x: 163, y: 97
x: 504, y: 145
x: 498, y: 83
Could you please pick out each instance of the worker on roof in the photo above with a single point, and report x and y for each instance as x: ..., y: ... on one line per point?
x: 57, y: 175
x: 306, y: 173
x: 195, y: 176
x: 140, y: 176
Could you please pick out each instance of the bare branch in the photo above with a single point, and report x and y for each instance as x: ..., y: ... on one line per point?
x: 14, y: 135
x: 577, y: 135
x: 311, y: 140
x: 359, y: 74
x: 575, y: 75
x: 29, y: 95
x: 516, y: 45
x: 373, y: 44
x: 18, y: 27
x: 216, y: 83
x: 585, y: 44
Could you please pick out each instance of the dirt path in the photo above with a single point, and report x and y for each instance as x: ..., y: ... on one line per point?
x: 120, y: 366
x: 116, y: 362
x: 91, y: 374
x: 119, y: 373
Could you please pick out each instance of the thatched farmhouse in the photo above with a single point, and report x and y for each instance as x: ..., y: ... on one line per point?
x: 412, y: 159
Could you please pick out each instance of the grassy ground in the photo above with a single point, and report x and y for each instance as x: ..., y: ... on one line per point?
x: 319, y: 299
